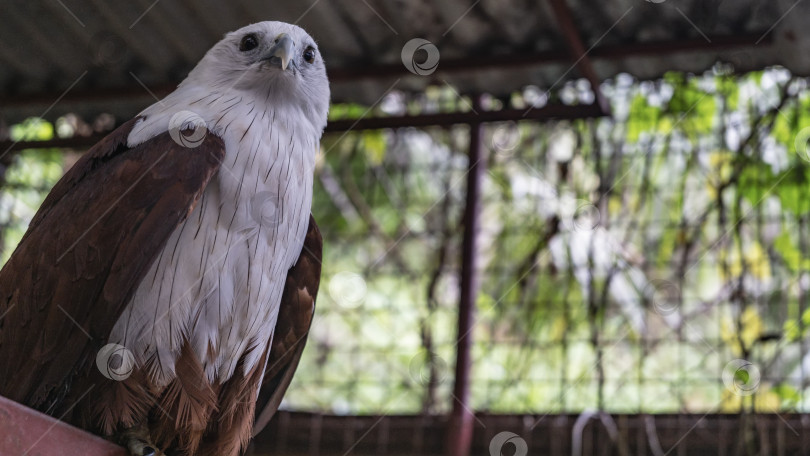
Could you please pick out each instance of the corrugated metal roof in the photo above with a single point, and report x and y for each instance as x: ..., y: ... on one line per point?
x: 92, y: 56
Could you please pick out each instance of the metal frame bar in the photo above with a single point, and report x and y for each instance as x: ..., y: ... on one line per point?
x: 369, y: 123
x: 460, y: 429
x: 302, y: 433
x: 565, y: 21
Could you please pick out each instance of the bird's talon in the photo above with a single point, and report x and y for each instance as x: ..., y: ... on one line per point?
x: 138, y: 447
x: 136, y: 439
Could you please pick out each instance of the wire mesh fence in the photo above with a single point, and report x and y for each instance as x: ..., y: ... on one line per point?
x: 646, y: 264
x: 654, y: 262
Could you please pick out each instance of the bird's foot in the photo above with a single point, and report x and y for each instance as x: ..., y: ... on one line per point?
x: 138, y: 447
x: 138, y: 442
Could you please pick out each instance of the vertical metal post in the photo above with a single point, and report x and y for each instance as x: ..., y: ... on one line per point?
x: 460, y: 428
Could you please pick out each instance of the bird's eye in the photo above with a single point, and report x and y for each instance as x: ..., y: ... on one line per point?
x: 309, y: 54
x: 248, y: 43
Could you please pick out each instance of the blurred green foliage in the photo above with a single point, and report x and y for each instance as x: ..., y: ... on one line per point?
x: 26, y: 183
x: 626, y: 262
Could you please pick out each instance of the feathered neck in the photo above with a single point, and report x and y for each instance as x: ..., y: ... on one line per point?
x: 192, y: 105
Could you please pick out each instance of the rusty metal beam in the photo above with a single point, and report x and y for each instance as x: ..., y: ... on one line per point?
x: 133, y: 92
x: 565, y: 21
x: 76, y: 142
x: 370, y: 123
x: 445, y: 119
x: 545, y: 433
x: 460, y: 427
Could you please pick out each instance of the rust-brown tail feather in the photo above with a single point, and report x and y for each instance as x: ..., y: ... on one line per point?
x: 185, y: 406
x: 124, y: 403
x: 231, y: 426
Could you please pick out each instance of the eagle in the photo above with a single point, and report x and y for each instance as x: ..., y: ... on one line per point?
x: 163, y: 292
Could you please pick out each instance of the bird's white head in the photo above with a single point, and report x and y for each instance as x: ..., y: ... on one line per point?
x: 276, y: 62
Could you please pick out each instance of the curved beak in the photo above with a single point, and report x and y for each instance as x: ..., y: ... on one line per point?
x: 282, y: 51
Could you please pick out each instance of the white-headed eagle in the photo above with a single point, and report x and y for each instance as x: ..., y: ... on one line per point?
x: 164, y: 290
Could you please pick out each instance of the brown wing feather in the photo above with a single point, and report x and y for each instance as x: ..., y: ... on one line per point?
x: 292, y: 328
x: 85, y: 252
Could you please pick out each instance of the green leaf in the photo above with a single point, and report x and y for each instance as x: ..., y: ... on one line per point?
x: 784, y: 245
x: 374, y: 146
x: 642, y: 117
x: 793, y: 189
x: 32, y: 129
x: 787, y: 393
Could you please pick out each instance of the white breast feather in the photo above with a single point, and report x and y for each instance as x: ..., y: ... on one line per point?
x: 219, y: 279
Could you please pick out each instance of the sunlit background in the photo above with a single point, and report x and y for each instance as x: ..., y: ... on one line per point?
x: 650, y: 262
x: 622, y: 259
